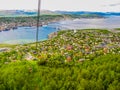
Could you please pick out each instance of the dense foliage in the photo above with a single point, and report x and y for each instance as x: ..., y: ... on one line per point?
x: 73, y: 60
x: 29, y: 19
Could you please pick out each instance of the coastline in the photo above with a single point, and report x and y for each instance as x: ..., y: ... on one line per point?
x: 8, y: 23
x: 7, y: 47
x: 68, y: 23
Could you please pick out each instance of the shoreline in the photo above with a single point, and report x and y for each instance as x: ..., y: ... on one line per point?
x: 54, y: 34
x: 69, y: 27
x: 13, y: 25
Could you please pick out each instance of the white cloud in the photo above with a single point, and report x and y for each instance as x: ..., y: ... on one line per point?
x: 18, y: 4
x: 73, y: 5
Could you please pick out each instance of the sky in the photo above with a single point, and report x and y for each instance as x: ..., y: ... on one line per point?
x: 66, y: 5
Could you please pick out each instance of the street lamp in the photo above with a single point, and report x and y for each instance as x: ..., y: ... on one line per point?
x: 38, y: 22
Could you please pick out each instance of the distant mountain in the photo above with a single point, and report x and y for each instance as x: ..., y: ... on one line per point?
x: 25, y: 12
x: 105, y: 14
x: 48, y: 12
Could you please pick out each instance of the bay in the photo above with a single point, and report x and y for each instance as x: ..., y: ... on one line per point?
x: 28, y: 34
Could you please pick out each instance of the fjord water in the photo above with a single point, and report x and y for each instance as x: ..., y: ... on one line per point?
x: 97, y: 23
x: 28, y: 34
x: 25, y: 35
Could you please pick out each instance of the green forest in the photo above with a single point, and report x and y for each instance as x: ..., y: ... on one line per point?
x: 69, y: 60
x: 44, y: 18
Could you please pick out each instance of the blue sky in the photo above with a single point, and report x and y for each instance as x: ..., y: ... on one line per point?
x: 67, y: 5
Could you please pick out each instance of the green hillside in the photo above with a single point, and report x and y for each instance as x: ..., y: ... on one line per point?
x: 24, y: 13
x: 70, y: 60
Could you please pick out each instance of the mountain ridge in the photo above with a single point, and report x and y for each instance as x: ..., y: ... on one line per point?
x: 48, y: 12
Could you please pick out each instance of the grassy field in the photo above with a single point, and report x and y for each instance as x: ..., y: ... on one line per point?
x: 117, y: 28
x: 7, y: 45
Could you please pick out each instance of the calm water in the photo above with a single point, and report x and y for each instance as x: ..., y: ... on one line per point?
x: 27, y: 34
x: 112, y: 22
